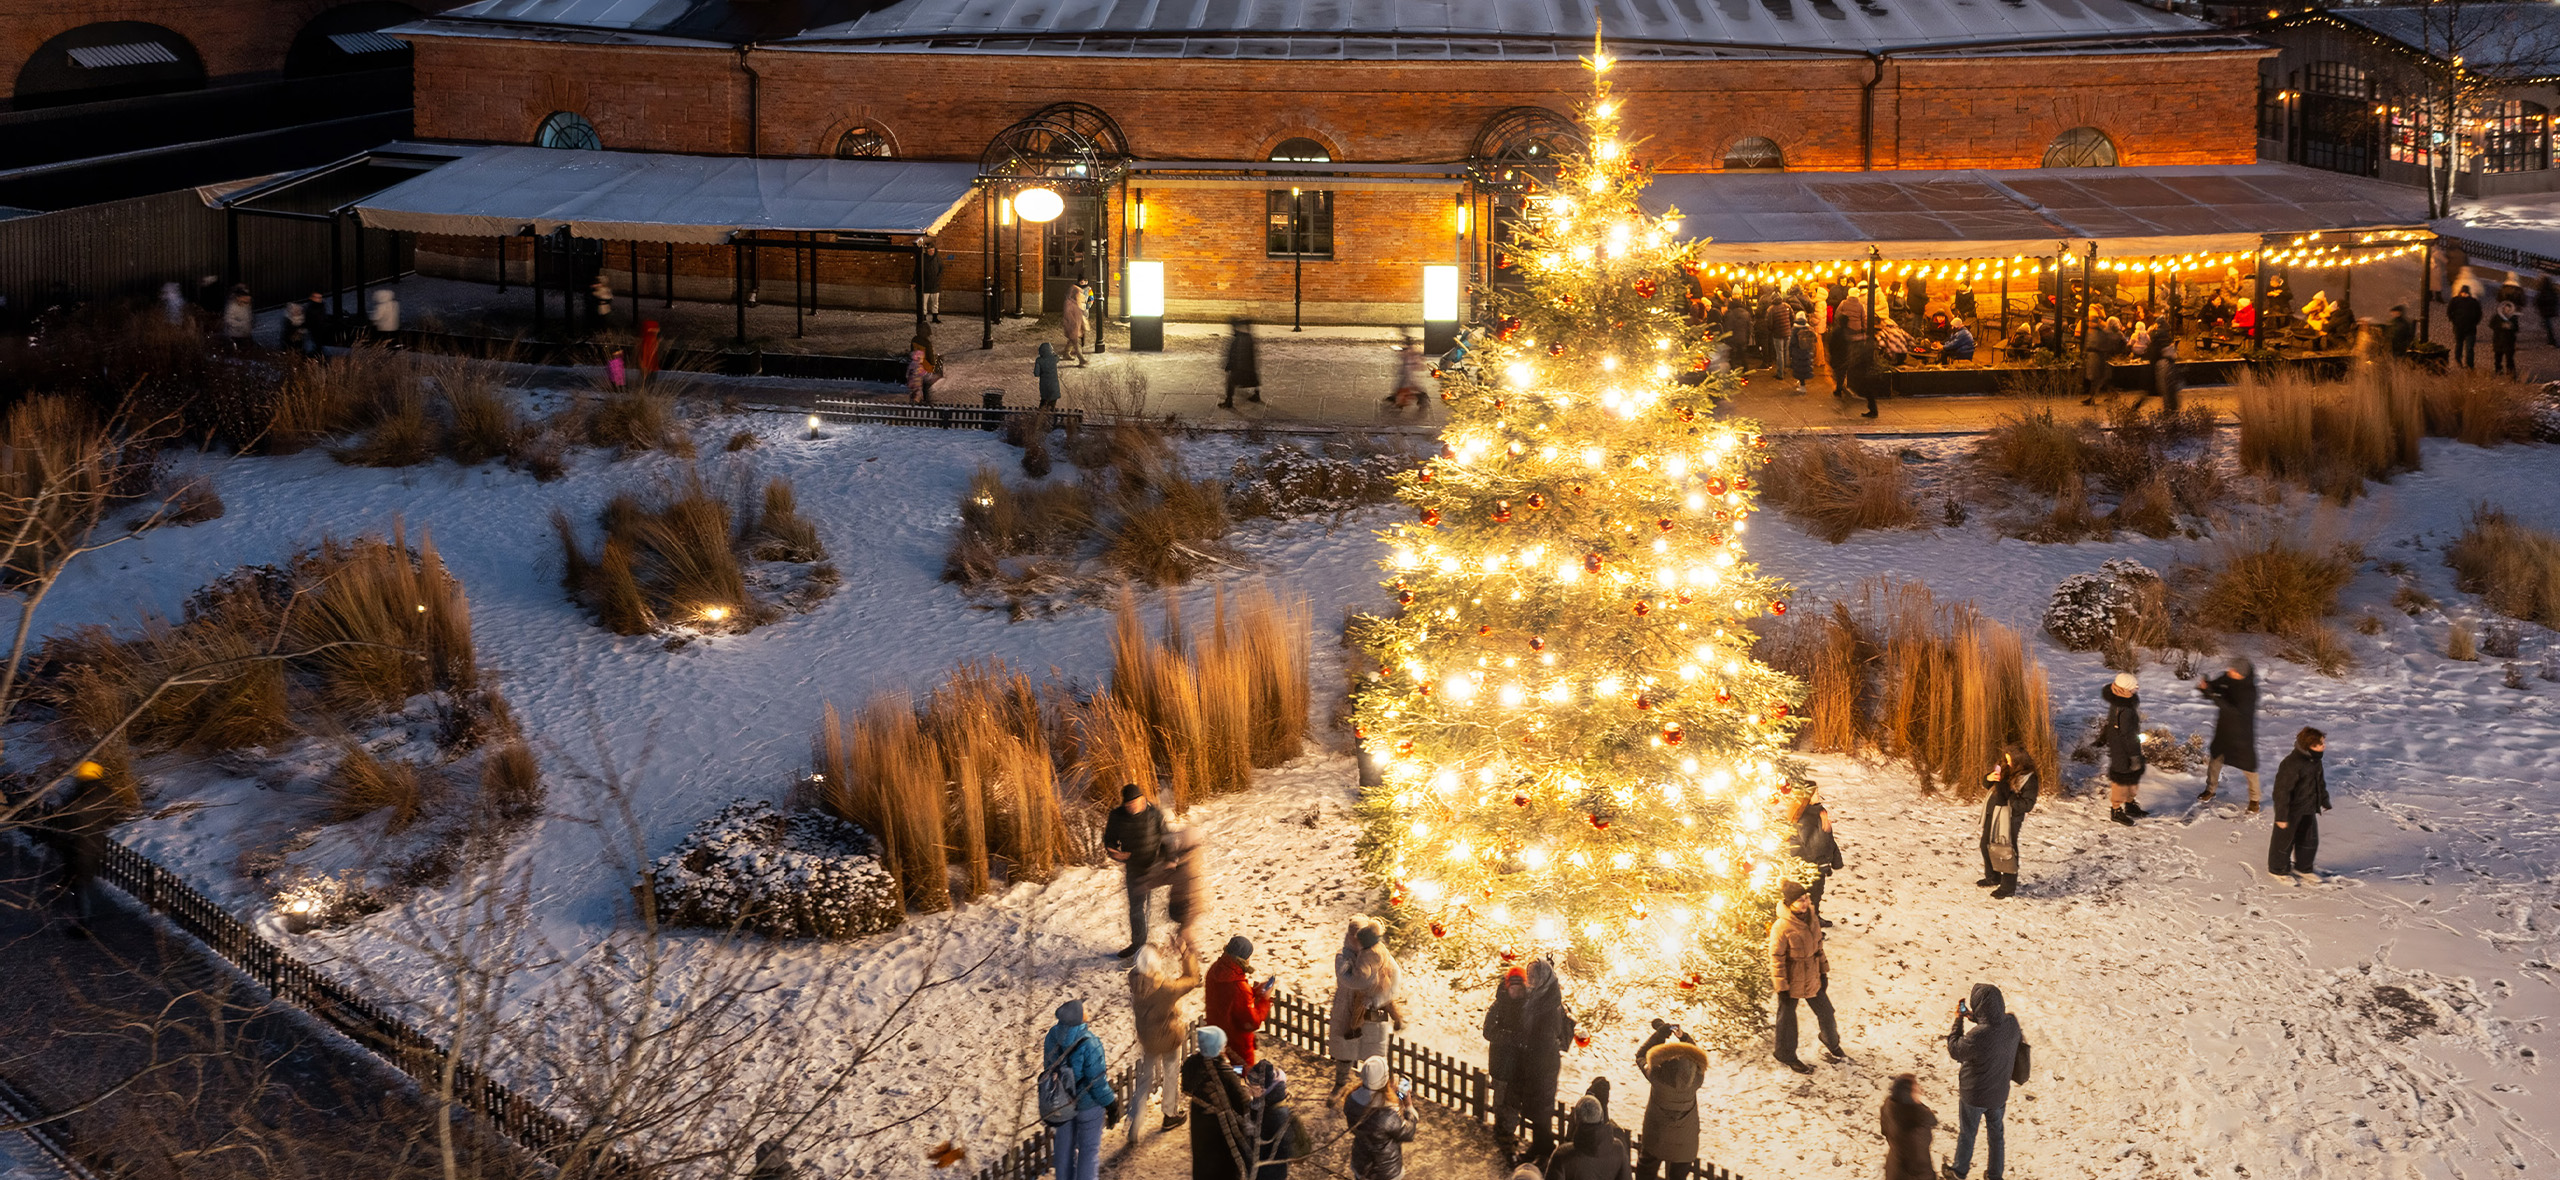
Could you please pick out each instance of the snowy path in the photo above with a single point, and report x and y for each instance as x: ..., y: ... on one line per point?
x: 2192, y: 1017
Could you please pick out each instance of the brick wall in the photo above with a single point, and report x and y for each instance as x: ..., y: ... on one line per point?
x: 238, y: 39
x: 1989, y: 113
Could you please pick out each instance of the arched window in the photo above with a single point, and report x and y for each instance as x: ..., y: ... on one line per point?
x: 349, y: 38
x: 1754, y: 153
x: 1299, y: 221
x: 109, y: 59
x: 2081, y: 147
x: 567, y: 129
x: 866, y: 141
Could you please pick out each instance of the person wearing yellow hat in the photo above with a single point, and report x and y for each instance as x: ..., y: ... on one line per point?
x: 77, y: 830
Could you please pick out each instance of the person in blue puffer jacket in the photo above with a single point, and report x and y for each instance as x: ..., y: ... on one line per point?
x: 1079, y: 1145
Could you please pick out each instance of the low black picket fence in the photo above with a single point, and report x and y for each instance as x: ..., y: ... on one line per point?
x: 1430, y: 1076
x: 295, y: 982
x: 989, y: 414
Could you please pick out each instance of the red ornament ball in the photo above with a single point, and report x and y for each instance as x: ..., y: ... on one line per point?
x: 1431, y: 516
x: 1537, y: 500
x: 1647, y: 288
x: 1424, y: 473
x: 1778, y: 608
x: 1555, y: 348
x: 1598, y: 822
x: 1723, y: 695
x: 1742, y: 483
x: 1782, y: 710
x: 1643, y: 608
x: 1537, y: 643
x: 1643, y: 701
x: 1591, y: 562
x: 1404, y: 598
x: 1502, y: 512
x: 1439, y: 931
x: 1671, y: 734
x: 1519, y: 800
x: 1664, y: 524
x: 1486, y: 629
x: 1688, y: 415
x: 1715, y: 485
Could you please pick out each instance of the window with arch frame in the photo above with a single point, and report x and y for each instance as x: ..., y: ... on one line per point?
x: 865, y: 141
x: 1298, y: 222
x: 2081, y: 147
x: 1755, y: 153
x: 567, y: 129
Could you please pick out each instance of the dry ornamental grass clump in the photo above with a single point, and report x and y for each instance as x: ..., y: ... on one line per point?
x: 1132, y: 515
x: 2513, y: 567
x: 2331, y: 437
x: 2274, y: 578
x: 676, y: 556
x: 1837, y: 485
x: 363, y: 784
x: 1935, y: 684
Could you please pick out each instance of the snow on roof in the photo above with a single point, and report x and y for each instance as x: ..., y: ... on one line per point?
x: 652, y: 197
x: 2516, y: 39
x: 1388, y: 29
x: 1800, y: 216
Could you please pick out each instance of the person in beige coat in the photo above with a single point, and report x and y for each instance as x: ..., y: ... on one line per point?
x: 1801, y: 972
x: 1158, y: 980
x: 1368, y: 994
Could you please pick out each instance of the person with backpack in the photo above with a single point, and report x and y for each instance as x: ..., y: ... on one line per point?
x: 2301, y: 794
x: 1990, y: 1053
x: 1281, y: 1136
x: 2235, y: 727
x: 1222, y: 1133
x: 2121, y: 738
x: 1134, y: 837
x: 2010, y: 792
x: 1379, y: 1116
x: 1075, y: 1094
x: 1672, y: 1061
x: 1157, y: 982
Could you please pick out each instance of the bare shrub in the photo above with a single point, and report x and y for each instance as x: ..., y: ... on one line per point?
x: 2368, y: 623
x: 486, y: 424
x: 193, y: 502
x: 2037, y: 451
x: 2273, y: 579
x: 2411, y: 600
x: 1166, y: 528
x: 2513, y: 567
x: 511, y: 783
x: 404, y: 434
x: 1288, y: 480
x: 2318, y: 646
x: 632, y: 421
x: 363, y: 784
x: 1836, y: 485
x: 781, y: 533
x: 741, y: 441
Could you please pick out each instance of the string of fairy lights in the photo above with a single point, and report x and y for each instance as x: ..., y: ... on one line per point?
x: 2307, y: 252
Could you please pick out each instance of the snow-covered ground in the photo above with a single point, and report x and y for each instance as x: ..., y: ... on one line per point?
x: 2191, y: 1016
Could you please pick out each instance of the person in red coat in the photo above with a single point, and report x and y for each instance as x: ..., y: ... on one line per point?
x: 1235, y: 1003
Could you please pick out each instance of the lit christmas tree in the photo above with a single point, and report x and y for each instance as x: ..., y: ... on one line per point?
x: 1579, y: 754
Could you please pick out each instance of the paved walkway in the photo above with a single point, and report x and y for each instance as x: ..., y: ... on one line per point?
x: 1324, y: 377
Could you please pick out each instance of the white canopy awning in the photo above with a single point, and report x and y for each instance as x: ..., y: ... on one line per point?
x: 1979, y: 213
x: 656, y: 197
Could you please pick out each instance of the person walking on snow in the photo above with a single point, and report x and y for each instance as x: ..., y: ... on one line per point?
x: 1985, y: 1043
x: 2009, y: 793
x: 1134, y: 837
x: 928, y: 282
x: 1368, y: 997
x: 1243, y: 363
x: 1800, y: 351
x: 1078, y: 1146
x: 2503, y: 328
x: 2463, y: 312
x: 1802, y: 972
x: 239, y: 318
x: 1158, y: 980
x: 2235, y: 727
x: 1186, y: 878
x: 1044, y: 367
x: 1222, y: 1140
x: 1814, y: 843
x: 2546, y: 303
x: 1908, y: 1129
x: 1379, y: 1116
x: 1676, y: 1067
x: 2122, y: 738
x: 2301, y: 794
x: 1235, y: 1003
x: 386, y: 313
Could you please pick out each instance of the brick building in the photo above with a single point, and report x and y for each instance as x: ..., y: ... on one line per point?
x: 1297, y: 151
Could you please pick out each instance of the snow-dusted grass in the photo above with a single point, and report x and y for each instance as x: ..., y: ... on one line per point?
x: 2191, y: 1016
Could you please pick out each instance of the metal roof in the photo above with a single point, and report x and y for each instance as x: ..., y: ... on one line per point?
x: 1356, y: 29
x: 658, y: 197
x: 2505, y: 39
x: 1798, y: 216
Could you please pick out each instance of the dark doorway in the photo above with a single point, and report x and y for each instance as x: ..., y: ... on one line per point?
x: 1070, y: 249
x: 2341, y: 132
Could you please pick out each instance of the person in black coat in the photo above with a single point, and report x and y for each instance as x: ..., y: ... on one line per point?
x: 1223, y: 1135
x: 2235, y: 727
x: 1502, y: 1033
x: 2122, y: 738
x: 1546, y: 1031
x: 2009, y: 793
x: 2546, y: 303
x: 1814, y: 842
x: 2504, y: 325
x: 2463, y: 312
x: 2301, y: 794
x: 1280, y: 1137
x: 928, y: 279
x: 1134, y: 836
x: 1986, y: 1055
x: 1243, y: 363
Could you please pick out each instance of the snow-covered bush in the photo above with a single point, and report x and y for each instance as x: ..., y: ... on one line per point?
x: 2087, y: 609
x: 800, y: 875
x: 1288, y: 481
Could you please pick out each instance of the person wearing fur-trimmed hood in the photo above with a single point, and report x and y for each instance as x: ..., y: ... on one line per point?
x: 1676, y: 1066
x: 1368, y: 998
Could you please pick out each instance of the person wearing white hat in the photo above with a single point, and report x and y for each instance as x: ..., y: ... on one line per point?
x: 1380, y: 1116
x: 2122, y: 738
